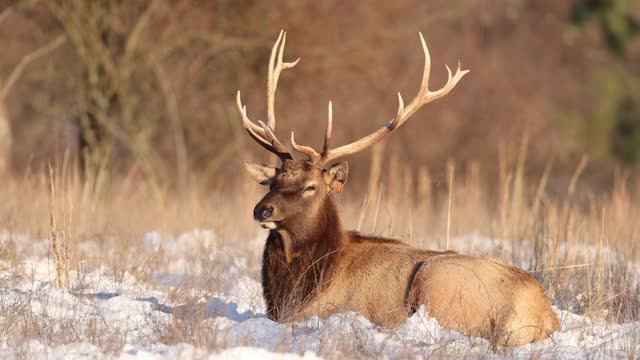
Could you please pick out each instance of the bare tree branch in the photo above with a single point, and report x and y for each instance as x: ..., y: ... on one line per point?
x: 178, y: 130
x: 133, y: 37
x: 26, y: 60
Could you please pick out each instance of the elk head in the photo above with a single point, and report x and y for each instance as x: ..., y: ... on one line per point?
x: 300, y: 189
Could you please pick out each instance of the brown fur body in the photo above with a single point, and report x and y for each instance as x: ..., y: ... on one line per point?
x: 387, y: 281
x: 329, y: 271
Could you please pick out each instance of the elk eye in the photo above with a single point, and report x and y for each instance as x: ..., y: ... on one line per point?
x: 310, y: 188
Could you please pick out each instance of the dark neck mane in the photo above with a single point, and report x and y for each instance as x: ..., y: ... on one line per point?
x: 320, y: 236
x: 316, y: 247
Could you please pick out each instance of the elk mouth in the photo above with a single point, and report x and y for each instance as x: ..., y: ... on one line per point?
x: 271, y: 225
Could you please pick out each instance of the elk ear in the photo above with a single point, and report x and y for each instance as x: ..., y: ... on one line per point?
x: 336, y: 176
x: 262, y: 173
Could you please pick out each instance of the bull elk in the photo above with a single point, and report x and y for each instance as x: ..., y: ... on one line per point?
x: 311, y: 266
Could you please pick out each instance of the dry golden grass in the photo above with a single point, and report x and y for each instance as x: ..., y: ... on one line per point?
x: 583, y: 247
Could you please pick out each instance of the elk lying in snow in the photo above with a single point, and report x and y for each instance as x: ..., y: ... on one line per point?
x: 311, y: 266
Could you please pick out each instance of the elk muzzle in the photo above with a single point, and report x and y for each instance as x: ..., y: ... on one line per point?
x: 264, y: 214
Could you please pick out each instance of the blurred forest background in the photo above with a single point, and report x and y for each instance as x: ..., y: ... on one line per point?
x: 133, y: 104
x: 147, y: 89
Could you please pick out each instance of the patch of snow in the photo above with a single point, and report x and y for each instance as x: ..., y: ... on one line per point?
x: 133, y: 311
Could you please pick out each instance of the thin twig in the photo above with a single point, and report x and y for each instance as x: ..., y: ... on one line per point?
x: 26, y: 60
x: 363, y: 211
x: 576, y: 175
x: 53, y: 224
x: 451, y: 178
x: 177, y: 128
x: 561, y: 267
x: 375, y: 216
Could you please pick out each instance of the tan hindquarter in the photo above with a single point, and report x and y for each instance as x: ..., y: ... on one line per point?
x: 485, y: 297
x: 476, y: 296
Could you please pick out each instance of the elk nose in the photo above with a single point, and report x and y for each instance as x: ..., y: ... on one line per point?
x: 262, y: 213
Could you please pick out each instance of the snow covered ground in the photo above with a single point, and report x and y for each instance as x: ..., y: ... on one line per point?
x: 170, y: 313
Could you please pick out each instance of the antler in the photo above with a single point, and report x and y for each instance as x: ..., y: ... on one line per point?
x: 423, y: 97
x: 264, y: 133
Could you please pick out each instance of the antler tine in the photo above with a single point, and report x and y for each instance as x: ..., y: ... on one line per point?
x: 423, y: 97
x: 271, y: 137
x: 313, y: 155
x: 263, y: 134
x: 245, y: 120
x: 424, y: 85
x: 327, y: 135
x: 275, y: 68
